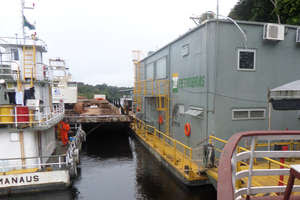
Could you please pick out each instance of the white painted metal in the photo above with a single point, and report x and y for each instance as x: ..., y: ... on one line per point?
x: 273, y: 32
x: 250, y: 172
x: 251, y: 165
x: 262, y: 172
x: 38, y: 178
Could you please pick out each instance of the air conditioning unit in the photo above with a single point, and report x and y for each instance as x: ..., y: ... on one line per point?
x: 273, y: 32
x: 298, y: 35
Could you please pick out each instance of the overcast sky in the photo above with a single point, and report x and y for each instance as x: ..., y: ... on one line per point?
x: 96, y: 37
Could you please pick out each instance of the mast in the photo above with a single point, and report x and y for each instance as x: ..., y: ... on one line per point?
x: 22, y: 16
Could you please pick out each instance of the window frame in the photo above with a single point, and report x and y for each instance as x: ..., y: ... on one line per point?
x: 238, y: 59
x: 249, y: 114
x: 15, y: 51
x: 153, y: 70
x: 166, y: 68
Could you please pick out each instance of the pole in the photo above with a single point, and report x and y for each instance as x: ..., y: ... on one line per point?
x: 22, y: 16
x: 217, y: 9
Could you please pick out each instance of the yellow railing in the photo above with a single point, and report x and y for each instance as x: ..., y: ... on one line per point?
x: 239, y: 149
x: 168, y: 146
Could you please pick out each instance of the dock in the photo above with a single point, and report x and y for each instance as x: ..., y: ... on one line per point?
x: 94, y: 111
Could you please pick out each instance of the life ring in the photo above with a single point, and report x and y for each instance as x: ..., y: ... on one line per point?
x: 160, y: 119
x: 187, y: 129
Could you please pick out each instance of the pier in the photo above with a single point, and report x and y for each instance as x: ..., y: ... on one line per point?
x: 96, y: 112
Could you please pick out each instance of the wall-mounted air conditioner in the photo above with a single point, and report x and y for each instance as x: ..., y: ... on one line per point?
x: 273, y: 32
x: 298, y: 35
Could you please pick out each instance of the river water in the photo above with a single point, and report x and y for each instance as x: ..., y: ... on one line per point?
x: 114, y: 165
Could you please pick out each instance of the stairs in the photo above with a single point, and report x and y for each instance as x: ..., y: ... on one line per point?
x: 29, y: 63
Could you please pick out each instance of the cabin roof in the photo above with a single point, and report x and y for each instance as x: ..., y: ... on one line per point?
x: 212, y: 21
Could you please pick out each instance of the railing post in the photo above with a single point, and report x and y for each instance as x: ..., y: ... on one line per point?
x: 174, y: 141
x: 184, y: 151
x: 190, y: 167
x: 238, y: 168
x: 40, y: 162
x: 251, y: 165
x: 59, y: 162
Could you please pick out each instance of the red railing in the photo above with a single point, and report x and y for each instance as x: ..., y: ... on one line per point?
x: 227, y: 175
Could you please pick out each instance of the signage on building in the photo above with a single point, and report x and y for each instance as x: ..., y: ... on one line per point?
x: 188, y: 82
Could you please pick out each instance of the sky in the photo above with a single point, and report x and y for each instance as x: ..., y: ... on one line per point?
x: 96, y: 37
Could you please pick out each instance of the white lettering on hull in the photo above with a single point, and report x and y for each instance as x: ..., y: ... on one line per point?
x: 61, y: 176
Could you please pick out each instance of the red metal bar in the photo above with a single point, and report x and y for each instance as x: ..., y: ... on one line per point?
x: 225, y: 188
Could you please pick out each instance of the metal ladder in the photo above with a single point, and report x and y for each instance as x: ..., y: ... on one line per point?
x: 29, y: 63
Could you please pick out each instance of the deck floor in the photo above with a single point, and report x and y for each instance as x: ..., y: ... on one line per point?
x: 178, y: 159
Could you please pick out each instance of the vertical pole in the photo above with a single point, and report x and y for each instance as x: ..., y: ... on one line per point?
x: 174, y: 151
x: 269, y: 116
x: 22, y: 148
x: 217, y: 9
x: 22, y: 16
x: 251, y: 165
x: 269, y: 109
x: 59, y: 162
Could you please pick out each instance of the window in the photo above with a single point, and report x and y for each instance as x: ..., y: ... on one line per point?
x: 15, y: 54
x: 149, y: 71
x: 185, y: 50
x: 248, y: 114
x: 72, y: 84
x: 246, y: 59
x: 161, y: 68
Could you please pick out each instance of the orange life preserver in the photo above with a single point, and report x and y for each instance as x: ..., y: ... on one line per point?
x: 187, y: 129
x: 160, y: 119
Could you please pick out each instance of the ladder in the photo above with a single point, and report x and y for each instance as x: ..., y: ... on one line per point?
x: 29, y: 63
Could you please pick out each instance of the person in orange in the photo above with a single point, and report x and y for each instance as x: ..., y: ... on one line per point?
x: 65, y: 127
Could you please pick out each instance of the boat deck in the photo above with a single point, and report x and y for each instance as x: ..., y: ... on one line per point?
x: 176, y: 155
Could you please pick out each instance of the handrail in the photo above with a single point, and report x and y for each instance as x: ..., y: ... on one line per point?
x: 187, y: 151
x: 226, y: 188
x: 40, y: 118
x: 211, y: 137
x: 6, y: 165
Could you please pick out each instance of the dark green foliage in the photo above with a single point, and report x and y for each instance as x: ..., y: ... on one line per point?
x: 264, y: 11
x: 88, y: 91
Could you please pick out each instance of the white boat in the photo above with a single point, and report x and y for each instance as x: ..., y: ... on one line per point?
x: 31, y: 158
x: 63, y: 88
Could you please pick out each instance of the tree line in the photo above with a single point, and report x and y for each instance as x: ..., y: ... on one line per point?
x: 274, y: 11
x: 111, y: 92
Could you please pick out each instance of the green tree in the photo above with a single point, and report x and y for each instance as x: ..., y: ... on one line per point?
x: 88, y: 91
x: 274, y: 11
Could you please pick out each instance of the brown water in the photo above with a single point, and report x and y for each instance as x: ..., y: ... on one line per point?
x: 114, y: 165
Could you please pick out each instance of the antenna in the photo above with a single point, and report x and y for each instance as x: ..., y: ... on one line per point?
x: 22, y: 16
x: 217, y: 9
x: 24, y: 20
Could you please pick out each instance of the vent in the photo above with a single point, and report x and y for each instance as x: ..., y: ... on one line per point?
x: 248, y: 114
x: 298, y: 35
x: 240, y: 114
x: 273, y: 32
x: 257, y: 114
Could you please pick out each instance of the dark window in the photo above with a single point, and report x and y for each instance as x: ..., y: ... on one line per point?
x: 15, y: 54
x: 246, y: 59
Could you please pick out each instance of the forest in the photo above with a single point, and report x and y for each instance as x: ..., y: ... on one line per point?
x: 111, y: 92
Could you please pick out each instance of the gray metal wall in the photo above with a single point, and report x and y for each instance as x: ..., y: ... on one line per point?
x: 277, y: 63
x: 213, y: 54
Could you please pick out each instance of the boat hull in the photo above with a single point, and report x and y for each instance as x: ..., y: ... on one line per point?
x: 34, y: 182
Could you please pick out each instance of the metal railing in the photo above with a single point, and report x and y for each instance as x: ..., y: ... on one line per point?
x: 168, y: 146
x: 37, y: 116
x: 22, y: 41
x: 233, y: 156
x: 33, y: 163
